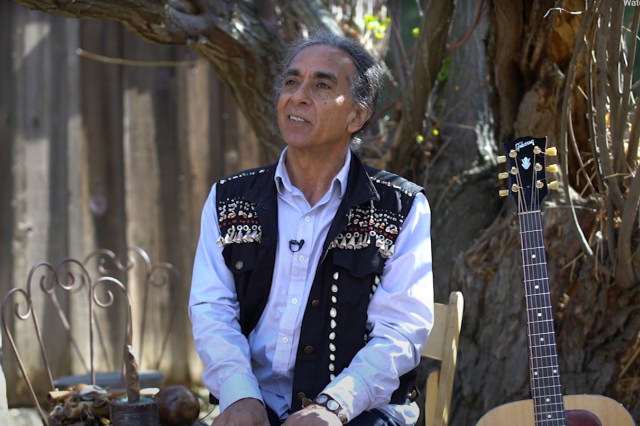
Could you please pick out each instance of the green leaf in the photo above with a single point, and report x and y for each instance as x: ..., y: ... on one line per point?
x: 444, y: 71
x: 415, y: 32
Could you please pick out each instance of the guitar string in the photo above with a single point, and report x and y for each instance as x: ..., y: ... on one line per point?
x: 552, y: 361
x: 543, y: 360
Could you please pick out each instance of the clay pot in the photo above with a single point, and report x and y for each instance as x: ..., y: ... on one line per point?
x: 178, y: 406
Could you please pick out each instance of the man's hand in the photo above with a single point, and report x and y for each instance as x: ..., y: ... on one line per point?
x: 313, y: 415
x: 244, y: 412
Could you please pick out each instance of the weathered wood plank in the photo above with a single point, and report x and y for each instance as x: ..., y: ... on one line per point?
x: 103, y: 182
x: 194, y: 142
x: 5, y: 194
x: 148, y: 135
x: 38, y: 161
x: 100, y: 155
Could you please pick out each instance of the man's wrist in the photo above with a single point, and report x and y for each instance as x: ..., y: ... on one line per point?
x: 328, y: 403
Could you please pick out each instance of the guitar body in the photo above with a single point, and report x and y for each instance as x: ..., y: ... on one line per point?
x: 579, y: 411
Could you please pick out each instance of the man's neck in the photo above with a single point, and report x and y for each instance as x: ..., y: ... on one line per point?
x: 312, y: 174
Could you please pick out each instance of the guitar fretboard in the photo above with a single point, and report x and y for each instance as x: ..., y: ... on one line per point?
x: 545, y: 376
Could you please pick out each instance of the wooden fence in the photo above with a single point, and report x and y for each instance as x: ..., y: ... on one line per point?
x: 96, y: 155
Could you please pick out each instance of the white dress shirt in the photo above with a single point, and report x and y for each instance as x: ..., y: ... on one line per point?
x: 400, y: 313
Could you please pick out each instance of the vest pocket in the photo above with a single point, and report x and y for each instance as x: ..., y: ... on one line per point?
x: 241, y: 261
x: 355, y: 277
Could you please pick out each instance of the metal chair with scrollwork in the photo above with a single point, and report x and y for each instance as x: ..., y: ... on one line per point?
x: 77, y: 277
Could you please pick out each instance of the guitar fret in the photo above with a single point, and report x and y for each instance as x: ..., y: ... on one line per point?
x: 529, y: 212
x: 546, y: 345
x: 543, y: 357
x: 533, y: 248
x: 544, y: 333
x: 542, y: 388
x: 541, y: 321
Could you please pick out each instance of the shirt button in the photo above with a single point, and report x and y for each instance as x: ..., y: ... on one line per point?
x: 307, y: 219
x: 285, y: 340
x: 300, y: 258
x: 315, y: 303
x: 239, y: 264
x: 308, y: 350
x: 294, y: 300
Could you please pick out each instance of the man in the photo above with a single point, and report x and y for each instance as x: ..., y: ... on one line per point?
x: 312, y: 287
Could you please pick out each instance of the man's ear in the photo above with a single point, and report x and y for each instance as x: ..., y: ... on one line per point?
x: 360, y: 117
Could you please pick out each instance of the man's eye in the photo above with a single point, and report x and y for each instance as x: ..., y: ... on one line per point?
x: 323, y: 85
x: 290, y: 82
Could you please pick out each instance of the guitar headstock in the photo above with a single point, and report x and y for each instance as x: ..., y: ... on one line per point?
x: 526, y: 172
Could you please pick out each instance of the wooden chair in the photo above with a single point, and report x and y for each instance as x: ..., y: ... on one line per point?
x: 442, y: 345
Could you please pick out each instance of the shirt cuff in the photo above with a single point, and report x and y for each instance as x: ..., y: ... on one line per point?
x: 350, y: 393
x: 237, y: 387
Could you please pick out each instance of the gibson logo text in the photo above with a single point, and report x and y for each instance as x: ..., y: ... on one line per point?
x: 526, y: 143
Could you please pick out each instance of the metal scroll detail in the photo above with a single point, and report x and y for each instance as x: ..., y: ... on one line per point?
x: 155, y: 275
x: 30, y: 312
x: 72, y: 276
x: 110, y: 298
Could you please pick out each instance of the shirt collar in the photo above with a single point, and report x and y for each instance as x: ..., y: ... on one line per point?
x: 284, y: 185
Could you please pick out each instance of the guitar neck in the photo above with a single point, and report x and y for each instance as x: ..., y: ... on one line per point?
x: 544, y: 373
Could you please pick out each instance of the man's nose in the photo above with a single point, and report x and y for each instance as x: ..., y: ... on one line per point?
x: 302, y: 93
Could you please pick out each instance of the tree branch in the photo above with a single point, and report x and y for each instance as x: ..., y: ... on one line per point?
x: 618, y: 102
x: 634, y: 134
x: 230, y: 35
x: 602, y: 37
x: 565, y: 112
x: 627, y: 222
x: 430, y: 50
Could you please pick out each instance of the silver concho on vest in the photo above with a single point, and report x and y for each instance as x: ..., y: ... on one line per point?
x: 238, y: 222
x: 370, y: 226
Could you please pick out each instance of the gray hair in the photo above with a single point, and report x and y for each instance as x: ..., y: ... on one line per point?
x: 365, y: 85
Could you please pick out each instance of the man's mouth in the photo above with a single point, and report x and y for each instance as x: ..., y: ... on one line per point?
x: 296, y: 118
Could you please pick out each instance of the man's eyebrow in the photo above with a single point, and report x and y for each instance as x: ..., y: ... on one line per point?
x: 326, y: 75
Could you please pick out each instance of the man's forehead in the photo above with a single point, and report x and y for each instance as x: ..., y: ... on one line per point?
x: 322, y: 58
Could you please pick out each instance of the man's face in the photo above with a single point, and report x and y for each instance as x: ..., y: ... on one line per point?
x: 315, y: 108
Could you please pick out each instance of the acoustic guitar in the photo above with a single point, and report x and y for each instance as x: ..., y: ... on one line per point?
x: 525, y: 161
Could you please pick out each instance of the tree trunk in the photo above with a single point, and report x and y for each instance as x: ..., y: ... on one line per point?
x: 596, y: 322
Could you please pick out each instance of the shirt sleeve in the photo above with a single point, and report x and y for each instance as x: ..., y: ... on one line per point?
x: 214, y: 311
x: 400, y: 315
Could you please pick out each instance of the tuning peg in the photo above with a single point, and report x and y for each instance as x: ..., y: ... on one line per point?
x: 503, y: 175
x: 538, y: 167
x: 539, y: 184
x: 513, y: 153
x: 514, y: 170
x: 553, y: 184
x: 515, y: 187
x: 504, y: 192
x: 502, y: 159
x: 553, y: 168
x: 551, y: 152
x: 537, y: 150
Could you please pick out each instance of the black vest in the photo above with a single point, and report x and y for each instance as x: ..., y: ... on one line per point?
x: 360, y: 239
